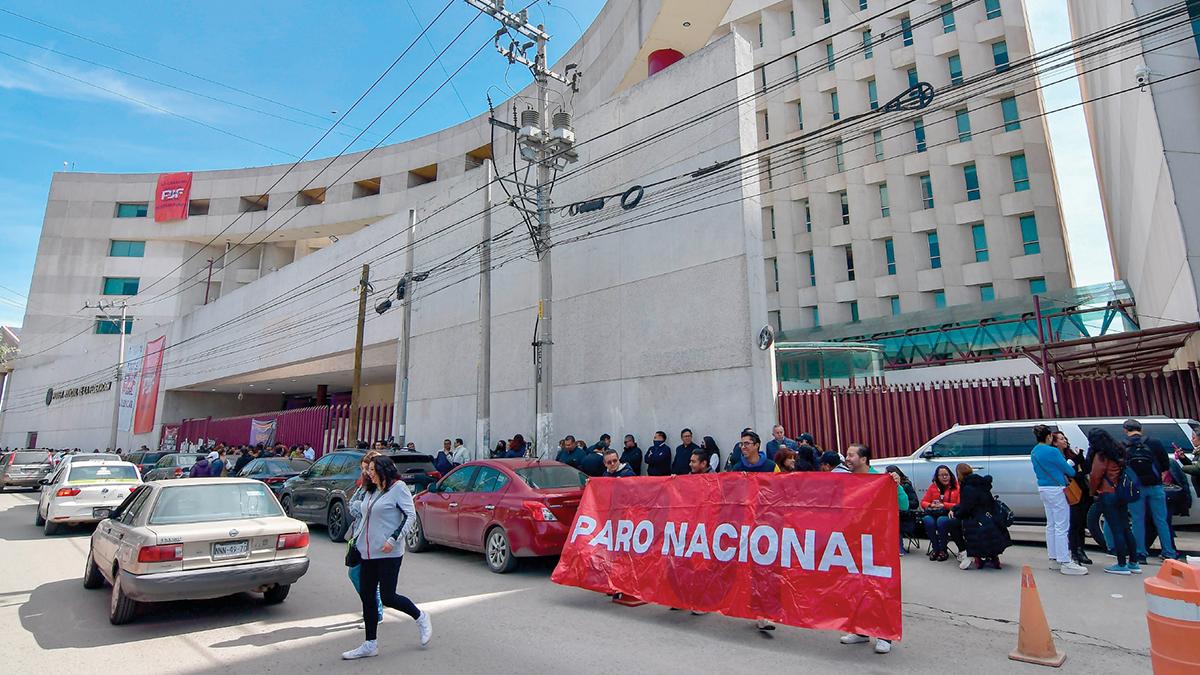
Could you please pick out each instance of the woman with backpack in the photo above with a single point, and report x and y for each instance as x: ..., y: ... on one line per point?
x: 1108, y: 467
x: 985, y: 537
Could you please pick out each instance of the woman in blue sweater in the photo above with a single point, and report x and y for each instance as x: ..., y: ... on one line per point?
x: 1053, y: 471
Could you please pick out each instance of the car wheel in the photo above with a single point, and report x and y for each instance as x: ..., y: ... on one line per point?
x: 415, y: 540
x: 286, y: 502
x: 49, y: 528
x: 497, y: 553
x: 276, y: 594
x: 120, y: 607
x: 336, y: 523
x: 92, y: 578
x: 38, y: 520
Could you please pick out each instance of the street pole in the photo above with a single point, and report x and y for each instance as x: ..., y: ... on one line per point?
x: 208, y: 284
x: 352, y: 426
x: 400, y: 410
x: 116, y: 413
x: 545, y: 344
x: 483, y: 396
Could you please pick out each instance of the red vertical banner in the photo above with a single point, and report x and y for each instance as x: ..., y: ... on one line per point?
x: 171, y: 197
x: 147, y: 400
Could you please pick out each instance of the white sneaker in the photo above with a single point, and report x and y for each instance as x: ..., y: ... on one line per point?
x: 962, y: 555
x: 1073, y: 569
x: 368, y: 648
x: 1055, y: 566
x: 695, y: 613
x: 883, y: 646
x: 763, y: 624
x: 426, y: 628
x: 965, y: 563
x: 854, y: 639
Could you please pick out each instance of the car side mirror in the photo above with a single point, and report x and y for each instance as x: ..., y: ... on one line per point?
x: 928, y: 454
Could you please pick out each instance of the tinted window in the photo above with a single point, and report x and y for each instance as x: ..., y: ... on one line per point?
x: 224, y: 501
x: 458, y: 480
x: 133, y: 505
x: 544, y: 477
x: 88, y: 473
x: 275, y: 467
x: 31, y: 458
x: 409, y: 463
x: 346, y: 465
x: 1168, y: 433
x: 490, y: 480
x: 1013, y: 441
x: 325, y: 466
x: 965, y: 443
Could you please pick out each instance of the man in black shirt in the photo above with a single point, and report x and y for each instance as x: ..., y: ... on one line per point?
x: 1148, y: 459
x: 683, y: 454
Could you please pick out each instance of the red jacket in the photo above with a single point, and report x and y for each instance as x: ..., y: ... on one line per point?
x: 934, y: 493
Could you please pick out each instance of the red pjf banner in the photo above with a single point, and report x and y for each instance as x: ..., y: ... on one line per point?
x: 815, y: 550
x: 171, y: 201
x: 147, y: 400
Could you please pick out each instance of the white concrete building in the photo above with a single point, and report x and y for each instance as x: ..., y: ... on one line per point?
x: 656, y: 320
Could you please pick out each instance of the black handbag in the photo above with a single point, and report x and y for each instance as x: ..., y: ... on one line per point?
x: 353, y: 557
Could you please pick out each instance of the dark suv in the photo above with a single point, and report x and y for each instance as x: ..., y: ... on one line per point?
x: 319, y: 495
x: 145, y: 461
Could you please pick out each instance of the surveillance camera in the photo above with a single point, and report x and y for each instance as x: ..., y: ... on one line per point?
x: 1142, y: 75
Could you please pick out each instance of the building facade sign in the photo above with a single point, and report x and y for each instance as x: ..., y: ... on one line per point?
x: 171, y: 197
x: 53, y: 394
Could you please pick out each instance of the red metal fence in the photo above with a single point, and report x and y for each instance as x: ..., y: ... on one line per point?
x: 897, y: 419
x: 322, y: 426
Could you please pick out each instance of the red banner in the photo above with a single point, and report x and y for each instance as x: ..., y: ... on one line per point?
x: 815, y: 550
x: 147, y: 399
x: 171, y: 201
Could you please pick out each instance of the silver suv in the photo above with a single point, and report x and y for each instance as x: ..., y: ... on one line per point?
x: 1001, y: 450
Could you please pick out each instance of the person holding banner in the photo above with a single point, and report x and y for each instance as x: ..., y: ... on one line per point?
x: 858, y: 460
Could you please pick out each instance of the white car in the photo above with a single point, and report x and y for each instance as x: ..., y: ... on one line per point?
x: 84, y: 492
x: 196, y: 538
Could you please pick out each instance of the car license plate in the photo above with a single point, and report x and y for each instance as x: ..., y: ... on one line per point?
x: 101, y: 513
x: 224, y: 550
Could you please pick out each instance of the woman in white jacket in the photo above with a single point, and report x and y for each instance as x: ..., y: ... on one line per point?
x: 387, y: 511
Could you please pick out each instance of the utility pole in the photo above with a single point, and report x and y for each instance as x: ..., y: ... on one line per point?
x: 549, y: 147
x: 116, y: 414
x: 483, y: 396
x: 404, y: 294
x: 364, y: 286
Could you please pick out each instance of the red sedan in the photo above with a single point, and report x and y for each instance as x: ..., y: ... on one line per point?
x: 505, y: 508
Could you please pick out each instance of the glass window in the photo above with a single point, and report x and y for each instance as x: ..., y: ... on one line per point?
x: 992, y: 7
x: 812, y: 269
x: 965, y: 443
x: 849, y: 263
x: 106, y: 326
x: 761, y: 37
x: 963, y: 119
x: 93, y: 473
x: 906, y: 31
x: 987, y: 293
x: 215, y: 501
x: 825, y: 11
x: 775, y: 272
x: 1000, y: 55
x: 877, y: 140
x: 458, y: 480
x: 829, y: 60
x: 120, y: 286
x: 795, y: 67
x: 919, y: 134
x: 800, y: 114
x: 766, y: 118
x: 873, y: 94
x: 971, y: 178
x: 834, y: 107
x: 323, y: 467
x: 839, y: 156
x: 135, y: 210
x: 792, y: 22
x: 1168, y: 433
x: 926, y: 191
x: 803, y: 164
x: 1029, y: 235
x: 895, y: 302
x: 490, y: 479
x: 845, y: 208
x: 1012, y: 118
x: 1037, y: 286
x: 885, y: 202
x: 132, y: 506
x: 862, y: 4
x: 1011, y: 441
x: 118, y: 248
x: 889, y: 252
x: 948, y: 17
x: 1020, y: 173
x: 550, y: 477
x: 854, y: 311
x: 807, y: 217
x: 866, y: 40
x: 816, y: 316
x: 913, y: 78
x: 939, y: 299
x: 956, y: 73
x: 979, y: 239
x: 769, y: 217
x: 935, y: 250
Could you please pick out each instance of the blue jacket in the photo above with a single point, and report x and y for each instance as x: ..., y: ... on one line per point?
x: 1050, y: 467
x: 442, y: 463
x: 773, y: 447
x: 572, y: 457
x: 592, y: 464
x: 633, y: 457
x: 385, y: 516
x: 683, y: 456
x: 658, y: 460
x: 623, y: 471
x: 763, y: 465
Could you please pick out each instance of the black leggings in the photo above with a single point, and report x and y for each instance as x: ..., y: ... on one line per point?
x: 1079, y: 516
x: 381, y: 573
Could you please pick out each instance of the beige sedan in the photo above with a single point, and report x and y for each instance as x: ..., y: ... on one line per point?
x: 196, y: 538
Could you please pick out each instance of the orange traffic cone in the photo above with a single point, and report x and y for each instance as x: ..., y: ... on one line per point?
x: 1035, y: 644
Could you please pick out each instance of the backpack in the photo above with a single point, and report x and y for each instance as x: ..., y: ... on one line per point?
x: 1003, y: 515
x: 1140, y: 459
x: 1128, y: 487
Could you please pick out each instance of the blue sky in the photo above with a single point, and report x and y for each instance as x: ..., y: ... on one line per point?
x: 316, y: 58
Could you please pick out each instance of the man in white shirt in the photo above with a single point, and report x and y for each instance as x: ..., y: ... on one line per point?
x: 309, y: 453
x: 460, y: 455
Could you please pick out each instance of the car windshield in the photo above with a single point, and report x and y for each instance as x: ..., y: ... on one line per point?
x: 30, y: 458
x: 151, y: 457
x: 546, y: 477
x: 278, y: 466
x: 95, y: 457
x: 409, y: 463
x: 97, y: 473
x: 223, y: 501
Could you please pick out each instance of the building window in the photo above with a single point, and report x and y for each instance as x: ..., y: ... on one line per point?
x: 906, y: 31
x: 1037, y: 286
x: 766, y: 118
x: 825, y: 11
x: 773, y: 317
x: 987, y: 293
x: 816, y: 317
x: 766, y: 164
x: 913, y: 78
x: 198, y: 207
x: 253, y: 203
x: 775, y: 273
x: 979, y: 238
x: 873, y: 94
x: 1000, y: 55
x: 133, y: 210
x: 829, y: 60
x: 803, y: 164
x: 935, y: 250
x: 868, y: 52
x: 792, y: 22
x: 877, y: 138
x: 120, y: 286
x: 800, y: 114
x: 1020, y: 173
x: 939, y: 299
x: 955, y: 63
x: 862, y: 4
x: 971, y: 178
x: 919, y: 133
x: 769, y: 217
x: 963, y: 119
x: 894, y: 301
x: 889, y: 252
x: 854, y: 311
x: 849, y: 263
x: 762, y: 78
x: 761, y: 37
x: 839, y: 156
x: 992, y: 7
x: 885, y: 202
x: 948, y: 17
x: 1029, y: 235
x: 1012, y: 118
x: 107, y: 326
x: 119, y: 248
x: 926, y: 191
x: 812, y: 269
x: 834, y: 107
x: 807, y: 217
x: 845, y: 208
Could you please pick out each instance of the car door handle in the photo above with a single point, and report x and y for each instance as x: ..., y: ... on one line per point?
x: 453, y: 504
x: 977, y: 468
x: 489, y: 507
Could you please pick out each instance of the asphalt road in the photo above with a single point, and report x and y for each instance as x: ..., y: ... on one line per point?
x: 523, y: 623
